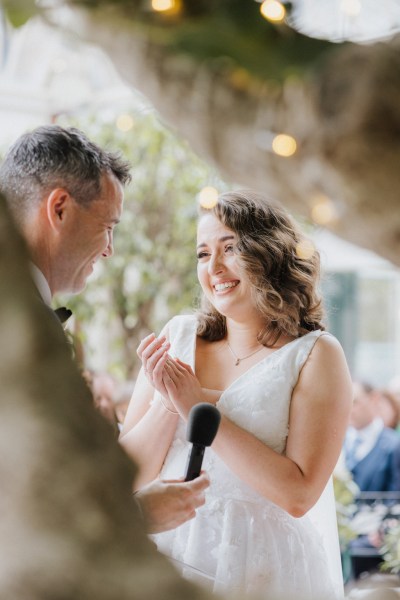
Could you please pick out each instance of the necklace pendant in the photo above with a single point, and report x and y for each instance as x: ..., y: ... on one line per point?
x: 237, y: 362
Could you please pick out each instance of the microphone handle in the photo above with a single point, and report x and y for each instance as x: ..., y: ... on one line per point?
x: 195, y: 459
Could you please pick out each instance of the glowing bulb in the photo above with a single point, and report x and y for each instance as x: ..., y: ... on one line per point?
x: 305, y: 249
x: 351, y: 7
x: 163, y: 5
x: 208, y: 197
x: 124, y: 122
x: 284, y: 145
x: 273, y: 11
x: 323, y: 211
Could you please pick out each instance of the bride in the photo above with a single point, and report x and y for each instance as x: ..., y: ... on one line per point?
x: 258, y: 350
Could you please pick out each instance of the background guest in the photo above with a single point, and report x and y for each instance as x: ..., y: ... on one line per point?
x: 388, y: 407
x: 370, y: 447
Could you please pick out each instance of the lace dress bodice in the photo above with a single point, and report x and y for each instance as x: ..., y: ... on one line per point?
x: 239, y: 541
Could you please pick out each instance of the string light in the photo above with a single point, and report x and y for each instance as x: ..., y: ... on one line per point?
x: 284, y: 145
x: 166, y: 6
x: 208, y: 197
x: 124, y: 122
x: 305, y: 249
x: 273, y: 10
x: 323, y: 210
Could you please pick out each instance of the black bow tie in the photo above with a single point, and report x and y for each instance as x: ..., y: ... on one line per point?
x: 63, y: 314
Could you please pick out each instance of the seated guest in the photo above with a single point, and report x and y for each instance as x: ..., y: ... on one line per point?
x: 388, y: 408
x: 372, y: 454
x: 370, y: 447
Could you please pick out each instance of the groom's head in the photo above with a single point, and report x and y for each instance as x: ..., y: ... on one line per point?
x: 66, y: 195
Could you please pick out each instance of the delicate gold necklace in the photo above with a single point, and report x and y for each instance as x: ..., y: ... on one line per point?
x: 239, y: 360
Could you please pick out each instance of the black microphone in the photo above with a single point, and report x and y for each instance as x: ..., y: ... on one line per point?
x: 202, y: 427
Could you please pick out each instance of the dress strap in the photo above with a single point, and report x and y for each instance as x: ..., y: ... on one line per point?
x: 182, y: 335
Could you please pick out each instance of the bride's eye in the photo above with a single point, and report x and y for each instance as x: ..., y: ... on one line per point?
x: 229, y: 249
x: 201, y: 255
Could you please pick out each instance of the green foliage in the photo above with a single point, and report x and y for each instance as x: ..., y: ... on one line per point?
x: 152, y: 275
x: 345, y: 491
x: 391, y: 549
x: 18, y: 12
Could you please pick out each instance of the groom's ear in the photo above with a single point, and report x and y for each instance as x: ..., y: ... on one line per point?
x: 58, y: 208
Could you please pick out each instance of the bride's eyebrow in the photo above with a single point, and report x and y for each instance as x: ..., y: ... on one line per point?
x: 222, y: 239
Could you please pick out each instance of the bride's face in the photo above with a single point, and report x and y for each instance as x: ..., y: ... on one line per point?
x: 223, y: 281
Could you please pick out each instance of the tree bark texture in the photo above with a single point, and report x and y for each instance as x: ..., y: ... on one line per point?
x: 345, y: 117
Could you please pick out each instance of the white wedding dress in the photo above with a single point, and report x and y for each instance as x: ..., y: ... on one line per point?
x: 240, y: 542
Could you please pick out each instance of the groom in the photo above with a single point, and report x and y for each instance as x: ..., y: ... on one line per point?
x: 66, y: 197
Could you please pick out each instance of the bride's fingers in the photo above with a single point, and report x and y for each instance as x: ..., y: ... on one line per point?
x: 159, y: 367
x: 178, y: 369
x: 144, y: 343
x: 152, y: 347
x: 185, y: 366
x: 168, y: 381
x: 152, y: 362
x: 174, y: 367
x: 171, y: 369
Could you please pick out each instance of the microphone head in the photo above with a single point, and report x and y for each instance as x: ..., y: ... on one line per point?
x: 203, y: 423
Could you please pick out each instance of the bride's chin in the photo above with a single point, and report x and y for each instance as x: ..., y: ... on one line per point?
x: 229, y: 312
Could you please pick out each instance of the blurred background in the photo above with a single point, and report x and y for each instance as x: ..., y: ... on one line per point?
x: 253, y: 101
x: 50, y: 76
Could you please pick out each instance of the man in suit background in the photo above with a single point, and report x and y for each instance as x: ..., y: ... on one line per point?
x: 372, y: 454
x: 370, y: 448
x: 66, y: 197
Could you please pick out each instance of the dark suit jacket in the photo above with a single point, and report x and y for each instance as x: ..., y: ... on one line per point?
x: 379, y: 470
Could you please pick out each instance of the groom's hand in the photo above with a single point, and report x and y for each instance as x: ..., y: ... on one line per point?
x: 166, y: 504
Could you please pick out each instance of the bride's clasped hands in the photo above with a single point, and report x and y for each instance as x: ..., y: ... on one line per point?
x: 171, y: 377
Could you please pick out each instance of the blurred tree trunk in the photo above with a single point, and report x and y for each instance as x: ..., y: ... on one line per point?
x: 69, y: 526
x: 346, y: 121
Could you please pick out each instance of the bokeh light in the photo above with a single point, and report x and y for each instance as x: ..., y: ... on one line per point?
x: 284, y: 145
x: 124, y: 122
x: 167, y: 6
x: 323, y: 210
x: 208, y: 197
x: 273, y: 11
x: 305, y: 249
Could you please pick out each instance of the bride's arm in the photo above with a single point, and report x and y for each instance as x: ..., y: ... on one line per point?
x: 149, y: 427
x: 319, y: 414
x: 148, y: 431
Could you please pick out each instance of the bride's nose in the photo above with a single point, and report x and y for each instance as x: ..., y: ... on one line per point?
x: 216, y: 264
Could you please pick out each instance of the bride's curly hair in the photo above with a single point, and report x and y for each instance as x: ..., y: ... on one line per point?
x: 283, y: 283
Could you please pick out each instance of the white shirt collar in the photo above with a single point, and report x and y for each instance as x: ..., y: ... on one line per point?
x: 367, y: 438
x: 41, y: 284
x: 372, y: 430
